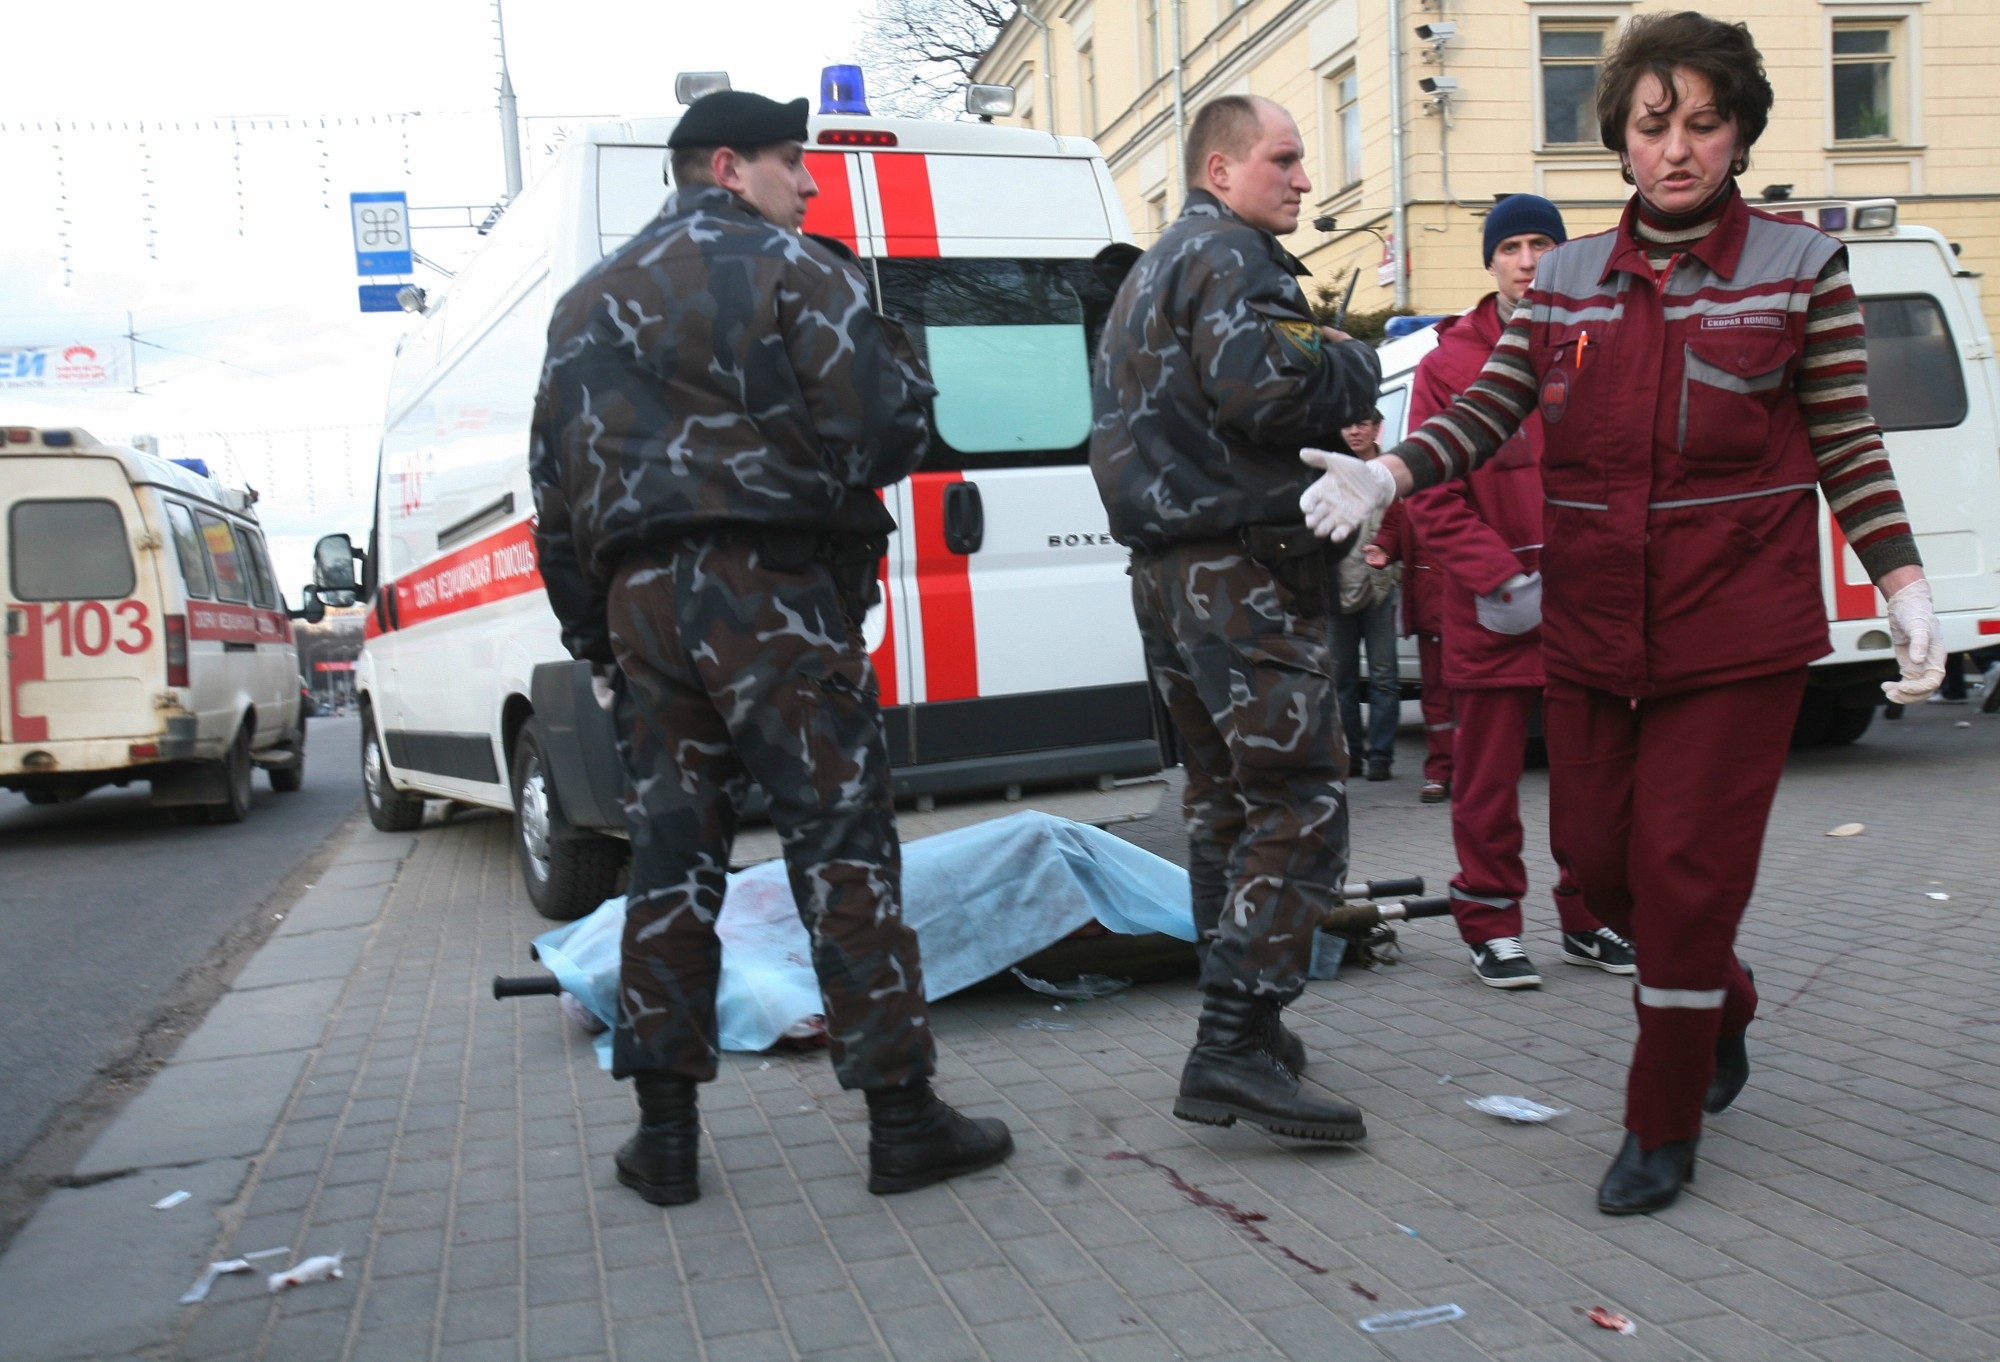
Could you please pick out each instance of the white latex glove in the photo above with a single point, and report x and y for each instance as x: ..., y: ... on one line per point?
x: 1913, y: 628
x: 1513, y: 607
x: 1348, y: 491
x: 600, y: 690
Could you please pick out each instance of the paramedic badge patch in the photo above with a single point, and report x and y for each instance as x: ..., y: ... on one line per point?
x: 1302, y: 337
x: 1555, y: 397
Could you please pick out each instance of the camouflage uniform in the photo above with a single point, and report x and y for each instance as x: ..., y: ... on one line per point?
x: 1211, y: 376
x: 717, y: 405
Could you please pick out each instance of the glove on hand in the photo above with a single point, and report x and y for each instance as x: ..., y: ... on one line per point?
x: 600, y: 688
x: 1913, y: 628
x: 1513, y: 607
x: 1348, y: 491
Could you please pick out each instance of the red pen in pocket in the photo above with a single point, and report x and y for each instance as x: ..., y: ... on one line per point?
x: 1582, y: 339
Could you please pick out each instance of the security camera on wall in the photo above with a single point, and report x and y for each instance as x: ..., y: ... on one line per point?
x: 1439, y: 85
x: 1442, y: 31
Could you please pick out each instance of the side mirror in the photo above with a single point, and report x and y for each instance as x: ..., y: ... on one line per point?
x: 333, y: 563
x: 311, y: 608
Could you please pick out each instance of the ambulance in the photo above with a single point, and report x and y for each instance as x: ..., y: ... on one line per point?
x: 1934, y: 386
x: 145, y: 636
x: 1005, y: 645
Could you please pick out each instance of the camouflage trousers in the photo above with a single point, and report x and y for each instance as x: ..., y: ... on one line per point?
x: 1242, y: 663
x: 734, y: 674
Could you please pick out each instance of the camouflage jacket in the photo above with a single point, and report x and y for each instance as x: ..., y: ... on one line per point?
x: 716, y: 371
x: 1211, y: 375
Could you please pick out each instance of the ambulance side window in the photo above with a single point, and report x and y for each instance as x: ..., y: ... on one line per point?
x: 232, y: 582
x: 1009, y: 345
x: 1914, y: 378
x: 263, y: 587
x: 187, y: 548
x: 68, y: 551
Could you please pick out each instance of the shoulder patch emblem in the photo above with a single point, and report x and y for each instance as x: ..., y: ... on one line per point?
x: 1303, y: 337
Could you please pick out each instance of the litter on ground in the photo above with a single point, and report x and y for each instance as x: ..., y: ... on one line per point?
x: 1514, y: 1108
x: 1847, y: 830
x: 171, y: 1200
x: 1410, y: 1319
x: 324, y: 1268
x: 1611, y: 1319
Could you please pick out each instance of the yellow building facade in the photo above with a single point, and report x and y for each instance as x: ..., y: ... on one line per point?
x: 1418, y: 114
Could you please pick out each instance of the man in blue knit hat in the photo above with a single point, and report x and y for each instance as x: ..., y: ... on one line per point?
x: 1484, y: 533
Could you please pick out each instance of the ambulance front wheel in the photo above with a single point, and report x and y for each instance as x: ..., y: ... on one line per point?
x: 389, y: 809
x: 567, y: 872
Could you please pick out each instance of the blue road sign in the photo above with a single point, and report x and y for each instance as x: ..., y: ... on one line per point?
x: 380, y: 298
x: 381, y: 233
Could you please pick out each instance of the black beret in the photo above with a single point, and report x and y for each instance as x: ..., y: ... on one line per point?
x: 737, y: 118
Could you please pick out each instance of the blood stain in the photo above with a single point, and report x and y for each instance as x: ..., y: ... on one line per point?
x: 1249, y: 1222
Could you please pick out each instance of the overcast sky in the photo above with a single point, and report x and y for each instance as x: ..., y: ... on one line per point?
x: 232, y: 249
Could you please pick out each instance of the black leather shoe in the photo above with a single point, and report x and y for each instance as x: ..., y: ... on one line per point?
x: 1642, y: 1180
x: 1233, y: 1074
x: 915, y: 1140
x: 659, y: 1162
x: 1732, y: 1071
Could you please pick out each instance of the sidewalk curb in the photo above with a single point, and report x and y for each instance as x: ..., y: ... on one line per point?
x: 198, y: 1125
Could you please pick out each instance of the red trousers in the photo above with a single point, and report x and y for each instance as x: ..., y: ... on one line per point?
x: 1439, y: 720
x: 1658, y: 807
x: 1486, y: 817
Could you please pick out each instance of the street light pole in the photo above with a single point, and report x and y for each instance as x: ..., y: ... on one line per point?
x: 510, y: 123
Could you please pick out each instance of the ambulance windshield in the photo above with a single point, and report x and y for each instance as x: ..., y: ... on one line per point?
x: 1009, y: 345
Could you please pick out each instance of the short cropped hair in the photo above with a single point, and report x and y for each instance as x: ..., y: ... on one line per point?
x: 695, y: 165
x: 1229, y: 124
x: 1721, y: 53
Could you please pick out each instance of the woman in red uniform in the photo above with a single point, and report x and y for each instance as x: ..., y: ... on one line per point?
x: 1701, y: 373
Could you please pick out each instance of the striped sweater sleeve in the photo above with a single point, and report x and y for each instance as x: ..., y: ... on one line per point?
x: 1832, y: 389
x: 1466, y: 434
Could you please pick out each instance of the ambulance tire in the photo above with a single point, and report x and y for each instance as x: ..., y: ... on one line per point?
x: 1848, y: 725
x: 389, y: 809
x: 567, y: 874
x: 290, y: 779
x: 236, y: 770
x: 40, y: 796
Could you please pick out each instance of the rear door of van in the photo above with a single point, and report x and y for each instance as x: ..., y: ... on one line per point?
x: 84, y: 652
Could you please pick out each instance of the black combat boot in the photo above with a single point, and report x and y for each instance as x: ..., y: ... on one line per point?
x: 659, y: 1161
x: 1642, y: 1180
x: 915, y: 1140
x: 1286, y: 1047
x: 1233, y: 1072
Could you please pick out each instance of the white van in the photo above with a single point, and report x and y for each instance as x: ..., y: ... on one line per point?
x: 1005, y: 647
x: 145, y: 637
x: 1935, y: 388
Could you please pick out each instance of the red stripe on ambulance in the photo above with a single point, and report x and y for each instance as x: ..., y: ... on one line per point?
x: 909, y: 220
x: 1850, y: 602
x: 24, y: 664
x: 501, y: 565
x: 831, y: 211
x: 944, y: 590
x: 221, y: 622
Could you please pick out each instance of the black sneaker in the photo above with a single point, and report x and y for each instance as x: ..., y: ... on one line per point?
x: 1603, y: 948
x: 1501, y: 963
x: 1380, y: 770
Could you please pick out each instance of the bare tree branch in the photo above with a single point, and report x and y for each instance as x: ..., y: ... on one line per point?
x: 920, y: 53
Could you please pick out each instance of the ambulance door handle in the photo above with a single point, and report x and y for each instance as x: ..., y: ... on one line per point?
x: 964, y: 518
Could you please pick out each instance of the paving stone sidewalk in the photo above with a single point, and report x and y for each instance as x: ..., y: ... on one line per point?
x: 359, y: 1091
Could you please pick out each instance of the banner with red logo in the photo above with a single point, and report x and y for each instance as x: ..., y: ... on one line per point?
x: 76, y: 366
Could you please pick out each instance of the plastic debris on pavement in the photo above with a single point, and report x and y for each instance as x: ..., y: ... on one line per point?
x: 1514, y: 1108
x: 1407, y: 1230
x: 1847, y: 830
x: 1610, y: 1319
x: 1941, y: 898
x: 1083, y: 988
x: 325, y: 1268
x: 1410, y: 1319
x: 171, y: 1200
x: 1037, y: 1024
x: 197, y: 1293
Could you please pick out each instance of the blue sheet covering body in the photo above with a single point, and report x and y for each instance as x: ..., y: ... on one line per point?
x: 980, y: 899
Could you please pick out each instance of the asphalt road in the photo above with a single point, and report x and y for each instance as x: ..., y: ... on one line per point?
x: 106, y: 904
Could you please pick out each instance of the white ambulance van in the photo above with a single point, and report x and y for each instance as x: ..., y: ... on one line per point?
x: 145, y: 637
x: 1935, y: 388
x: 1005, y: 647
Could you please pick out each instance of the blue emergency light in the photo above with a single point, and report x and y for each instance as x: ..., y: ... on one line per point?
x: 841, y: 91
x: 199, y: 466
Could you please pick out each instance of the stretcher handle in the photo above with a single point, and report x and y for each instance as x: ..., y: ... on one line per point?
x: 1383, y: 889
x: 525, y: 985
x: 1355, y: 919
x: 1415, y: 908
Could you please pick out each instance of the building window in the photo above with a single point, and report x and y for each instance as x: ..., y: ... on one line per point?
x: 1864, y: 71
x: 1086, y: 64
x: 1156, y: 212
x: 1570, y: 56
x: 1346, y: 127
x: 1150, y: 40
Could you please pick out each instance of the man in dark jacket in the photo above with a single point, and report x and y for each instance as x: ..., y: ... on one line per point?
x: 718, y: 406
x: 1211, y: 377
x: 1485, y: 534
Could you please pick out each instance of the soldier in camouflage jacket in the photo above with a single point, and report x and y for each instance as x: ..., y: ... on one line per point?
x: 718, y: 406
x: 1211, y: 375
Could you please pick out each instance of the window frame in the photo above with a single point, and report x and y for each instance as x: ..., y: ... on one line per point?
x: 203, y: 590
x: 1346, y: 160
x: 1906, y: 86
x: 263, y: 578
x: 1950, y: 345
x: 201, y: 519
x: 1148, y: 13
x: 1892, y: 58
x: 1607, y: 25
x: 14, y: 548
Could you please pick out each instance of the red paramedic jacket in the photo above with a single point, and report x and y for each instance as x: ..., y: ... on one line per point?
x: 1422, y: 611
x: 1682, y: 514
x: 1486, y: 527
